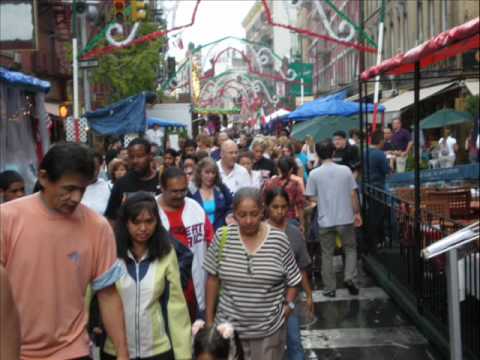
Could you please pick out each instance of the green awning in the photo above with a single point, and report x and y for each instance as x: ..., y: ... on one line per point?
x: 324, y: 126
x: 445, y: 117
x: 219, y: 111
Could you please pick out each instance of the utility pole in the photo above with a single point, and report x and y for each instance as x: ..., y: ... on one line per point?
x: 86, y: 81
x: 75, y: 63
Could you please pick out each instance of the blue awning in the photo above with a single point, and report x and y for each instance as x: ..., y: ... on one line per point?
x: 124, y: 117
x: 332, y: 105
x: 16, y: 78
x: 163, y: 123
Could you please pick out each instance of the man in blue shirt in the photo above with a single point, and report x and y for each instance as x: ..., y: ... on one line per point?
x: 401, y: 138
x: 378, y: 167
x: 376, y: 170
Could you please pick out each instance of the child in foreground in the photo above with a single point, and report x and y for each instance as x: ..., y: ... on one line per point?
x: 215, y: 342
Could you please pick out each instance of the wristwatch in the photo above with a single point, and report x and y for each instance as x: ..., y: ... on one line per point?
x: 291, y: 305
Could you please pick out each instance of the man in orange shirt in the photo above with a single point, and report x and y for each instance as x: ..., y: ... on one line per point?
x: 52, y: 248
x: 9, y: 326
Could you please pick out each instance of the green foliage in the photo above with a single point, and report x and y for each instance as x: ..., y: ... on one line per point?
x: 472, y: 105
x: 131, y: 70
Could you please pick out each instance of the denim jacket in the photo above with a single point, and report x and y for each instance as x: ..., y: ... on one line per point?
x: 223, y: 204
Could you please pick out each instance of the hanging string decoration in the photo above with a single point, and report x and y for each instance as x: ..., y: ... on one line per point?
x: 331, y: 37
x: 256, y: 56
x: 345, y: 26
x: 237, y: 88
x: 119, y: 29
x: 143, y: 39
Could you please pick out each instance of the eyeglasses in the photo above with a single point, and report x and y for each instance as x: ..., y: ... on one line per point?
x: 249, y: 263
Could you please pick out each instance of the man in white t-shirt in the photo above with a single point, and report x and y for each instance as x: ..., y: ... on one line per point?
x: 233, y: 175
x: 448, y: 149
x: 334, y: 190
x: 155, y: 135
x: 98, y: 192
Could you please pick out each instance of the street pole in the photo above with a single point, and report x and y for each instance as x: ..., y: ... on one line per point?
x: 86, y: 81
x: 301, y: 90
x: 75, y: 79
x: 379, y: 60
x: 75, y: 64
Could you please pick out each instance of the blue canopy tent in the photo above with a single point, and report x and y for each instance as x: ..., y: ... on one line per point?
x: 123, y: 117
x: 24, y: 81
x: 164, y: 123
x: 23, y: 143
x: 333, y: 105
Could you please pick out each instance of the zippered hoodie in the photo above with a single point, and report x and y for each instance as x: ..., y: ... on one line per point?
x: 195, y: 220
x: 156, y: 314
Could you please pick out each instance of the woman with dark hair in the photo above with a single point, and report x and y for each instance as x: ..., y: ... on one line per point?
x: 254, y: 266
x: 292, y: 185
x: 293, y: 148
x: 211, y: 193
x: 153, y: 303
x: 169, y: 158
x: 277, y: 202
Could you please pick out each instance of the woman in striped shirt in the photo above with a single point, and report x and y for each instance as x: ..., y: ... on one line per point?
x: 252, y: 279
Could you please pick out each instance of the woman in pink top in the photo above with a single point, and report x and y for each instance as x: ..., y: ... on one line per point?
x: 292, y: 185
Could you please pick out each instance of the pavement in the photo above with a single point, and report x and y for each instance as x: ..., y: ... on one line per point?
x: 369, y: 326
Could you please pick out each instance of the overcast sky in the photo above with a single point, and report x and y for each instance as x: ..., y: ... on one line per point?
x: 215, y: 19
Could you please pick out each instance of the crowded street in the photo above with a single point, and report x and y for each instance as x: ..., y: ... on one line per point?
x: 239, y: 180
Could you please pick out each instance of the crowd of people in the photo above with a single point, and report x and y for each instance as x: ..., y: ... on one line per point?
x: 192, y: 254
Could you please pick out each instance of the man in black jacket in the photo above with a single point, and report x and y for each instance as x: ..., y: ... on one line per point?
x: 345, y: 154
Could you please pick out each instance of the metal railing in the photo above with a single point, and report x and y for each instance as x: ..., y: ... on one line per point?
x: 390, y: 237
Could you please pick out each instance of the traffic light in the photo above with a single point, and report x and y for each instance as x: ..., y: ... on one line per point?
x: 119, y: 8
x: 80, y: 7
x: 139, y: 12
x: 64, y: 109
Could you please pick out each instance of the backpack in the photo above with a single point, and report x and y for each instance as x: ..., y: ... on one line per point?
x: 185, y: 260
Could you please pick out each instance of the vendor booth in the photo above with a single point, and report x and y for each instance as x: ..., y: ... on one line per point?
x: 24, y: 123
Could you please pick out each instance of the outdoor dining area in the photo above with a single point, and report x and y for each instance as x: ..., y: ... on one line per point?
x: 459, y: 203
x: 424, y: 206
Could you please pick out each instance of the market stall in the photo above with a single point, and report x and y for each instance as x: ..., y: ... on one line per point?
x: 24, y: 123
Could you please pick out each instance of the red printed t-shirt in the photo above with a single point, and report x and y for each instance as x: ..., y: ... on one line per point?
x: 50, y: 259
x: 177, y: 229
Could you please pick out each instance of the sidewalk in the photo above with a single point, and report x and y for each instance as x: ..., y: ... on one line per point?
x: 369, y: 326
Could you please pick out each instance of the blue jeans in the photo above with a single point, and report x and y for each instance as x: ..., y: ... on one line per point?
x: 294, y: 342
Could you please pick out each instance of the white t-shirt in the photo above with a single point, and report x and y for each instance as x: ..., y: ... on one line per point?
x: 96, y: 196
x: 236, y: 179
x: 450, y: 144
x: 155, y: 136
x: 256, y: 179
x: 332, y: 185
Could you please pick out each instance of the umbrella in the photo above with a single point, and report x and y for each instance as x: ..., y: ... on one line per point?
x: 332, y: 107
x: 323, y: 127
x: 445, y: 117
x: 277, y: 114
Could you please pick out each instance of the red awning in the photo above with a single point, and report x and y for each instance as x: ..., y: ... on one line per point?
x: 447, y: 44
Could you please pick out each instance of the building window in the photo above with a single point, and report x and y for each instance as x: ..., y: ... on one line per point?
x: 431, y: 17
x: 420, y: 23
